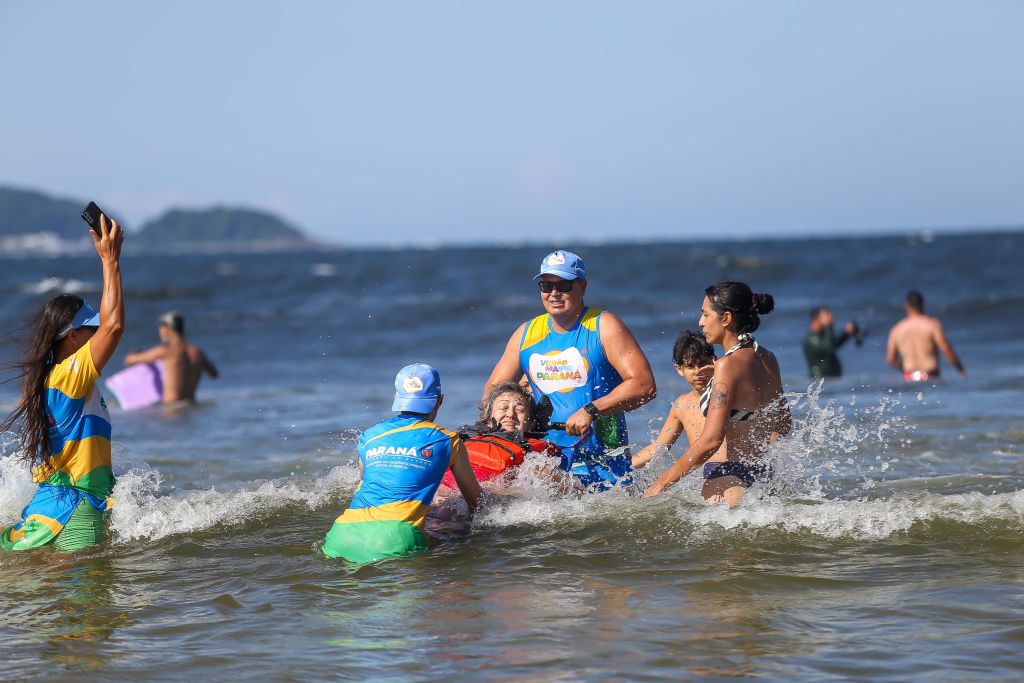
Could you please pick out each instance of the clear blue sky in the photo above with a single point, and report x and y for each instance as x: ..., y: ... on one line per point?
x: 476, y: 121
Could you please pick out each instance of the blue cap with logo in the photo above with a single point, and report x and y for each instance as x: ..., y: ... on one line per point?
x: 417, y: 387
x: 564, y: 264
x: 86, y: 316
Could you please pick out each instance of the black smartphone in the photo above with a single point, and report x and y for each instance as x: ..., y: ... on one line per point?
x: 91, y: 215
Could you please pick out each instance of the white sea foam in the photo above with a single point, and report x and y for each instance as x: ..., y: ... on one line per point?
x: 827, y: 483
x: 143, y: 512
x: 56, y: 284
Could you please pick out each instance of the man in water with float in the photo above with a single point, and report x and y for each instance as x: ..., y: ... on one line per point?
x: 915, y: 341
x: 401, y: 463
x: 184, y: 363
x: 587, y: 362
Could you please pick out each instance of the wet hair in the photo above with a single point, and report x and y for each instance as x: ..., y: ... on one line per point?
x: 915, y: 300
x: 30, y: 417
x: 816, y: 311
x: 485, y: 421
x: 737, y: 298
x: 174, y: 320
x: 692, y: 350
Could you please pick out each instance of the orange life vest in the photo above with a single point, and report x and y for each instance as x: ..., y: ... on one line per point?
x: 491, y: 455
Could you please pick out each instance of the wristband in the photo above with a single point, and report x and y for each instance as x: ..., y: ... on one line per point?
x: 592, y: 410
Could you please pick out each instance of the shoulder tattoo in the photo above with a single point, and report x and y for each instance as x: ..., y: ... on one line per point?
x: 720, y: 395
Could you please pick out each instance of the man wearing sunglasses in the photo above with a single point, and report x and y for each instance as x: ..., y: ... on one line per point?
x: 587, y: 362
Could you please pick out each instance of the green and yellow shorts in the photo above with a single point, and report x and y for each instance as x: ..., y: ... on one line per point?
x: 374, y: 540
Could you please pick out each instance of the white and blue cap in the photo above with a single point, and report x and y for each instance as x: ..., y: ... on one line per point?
x: 86, y: 316
x: 564, y: 264
x: 417, y: 388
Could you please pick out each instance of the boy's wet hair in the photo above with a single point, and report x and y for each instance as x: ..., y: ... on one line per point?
x: 692, y: 350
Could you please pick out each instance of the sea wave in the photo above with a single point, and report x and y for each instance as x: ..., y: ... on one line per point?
x: 143, y: 512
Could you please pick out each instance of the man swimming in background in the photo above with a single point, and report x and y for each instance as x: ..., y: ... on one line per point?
x: 915, y: 341
x: 587, y: 362
x: 694, y: 360
x: 184, y: 363
x: 401, y: 463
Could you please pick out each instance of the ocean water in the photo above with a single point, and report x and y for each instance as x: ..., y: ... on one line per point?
x: 892, y: 550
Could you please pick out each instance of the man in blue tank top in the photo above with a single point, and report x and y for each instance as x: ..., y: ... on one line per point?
x: 587, y: 362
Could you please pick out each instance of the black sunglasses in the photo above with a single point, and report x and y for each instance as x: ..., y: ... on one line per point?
x: 562, y: 286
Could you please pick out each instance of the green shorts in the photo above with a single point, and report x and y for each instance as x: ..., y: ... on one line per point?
x: 377, y: 540
x: 84, y: 529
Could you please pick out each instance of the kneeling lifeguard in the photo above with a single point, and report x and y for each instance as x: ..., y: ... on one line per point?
x: 402, y: 461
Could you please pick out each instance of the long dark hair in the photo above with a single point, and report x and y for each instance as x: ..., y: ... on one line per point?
x: 737, y: 298
x: 30, y: 417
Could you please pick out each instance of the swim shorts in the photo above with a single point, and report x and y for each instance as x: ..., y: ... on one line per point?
x: 919, y: 376
x: 603, y: 473
x: 746, y: 472
x: 374, y: 540
x: 84, y: 529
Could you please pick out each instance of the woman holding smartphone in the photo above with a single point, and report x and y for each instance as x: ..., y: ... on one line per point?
x: 62, y: 417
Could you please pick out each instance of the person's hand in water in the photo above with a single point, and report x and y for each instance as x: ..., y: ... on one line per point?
x: 654, y: 489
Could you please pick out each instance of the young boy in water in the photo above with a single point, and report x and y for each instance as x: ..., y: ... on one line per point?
x: 694, y: 359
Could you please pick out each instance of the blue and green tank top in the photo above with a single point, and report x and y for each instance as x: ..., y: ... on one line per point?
x: 572, y: 370
x: 403, y: 459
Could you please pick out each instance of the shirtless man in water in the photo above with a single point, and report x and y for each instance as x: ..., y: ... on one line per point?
x: 915, y: 341
x: 184, y: 363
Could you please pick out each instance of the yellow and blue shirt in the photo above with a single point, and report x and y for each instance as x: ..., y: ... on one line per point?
x: 572, y: 370
x: 403, y: 460
x: 78, y: 467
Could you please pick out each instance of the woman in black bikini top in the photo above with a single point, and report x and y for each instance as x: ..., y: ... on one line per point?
x: 747, y: 375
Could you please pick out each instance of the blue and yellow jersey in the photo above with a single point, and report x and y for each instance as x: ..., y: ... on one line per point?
x: 403, y: 459
x: 572, y: 370
x: 79, y: 465
x: 79, y: 428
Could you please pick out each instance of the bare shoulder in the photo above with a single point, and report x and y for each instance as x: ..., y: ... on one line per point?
x: 612, y: 323
x: 769, y: 358
x: 685, y: 402
x: 728, y: 366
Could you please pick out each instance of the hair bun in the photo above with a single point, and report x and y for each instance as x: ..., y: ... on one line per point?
x: 763, y: 303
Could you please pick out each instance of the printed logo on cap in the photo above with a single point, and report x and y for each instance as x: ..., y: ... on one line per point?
x: 412, y: 385
x: 556, y: 259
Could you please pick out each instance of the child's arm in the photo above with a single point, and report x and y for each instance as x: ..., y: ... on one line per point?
x: 667, y: 437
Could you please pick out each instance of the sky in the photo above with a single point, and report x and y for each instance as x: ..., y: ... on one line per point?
x: 396, y: 122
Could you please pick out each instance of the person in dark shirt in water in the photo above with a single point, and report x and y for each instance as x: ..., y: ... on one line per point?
x: 821, y: 344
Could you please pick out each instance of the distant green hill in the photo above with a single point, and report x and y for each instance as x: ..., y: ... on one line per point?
x: 30, y: 213
x: 25, y: 212
x: 220, y: 225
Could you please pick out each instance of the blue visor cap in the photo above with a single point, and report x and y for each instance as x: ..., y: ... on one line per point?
x: 563, y: 264
x: 417, y: 388
x: 86, y: 316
